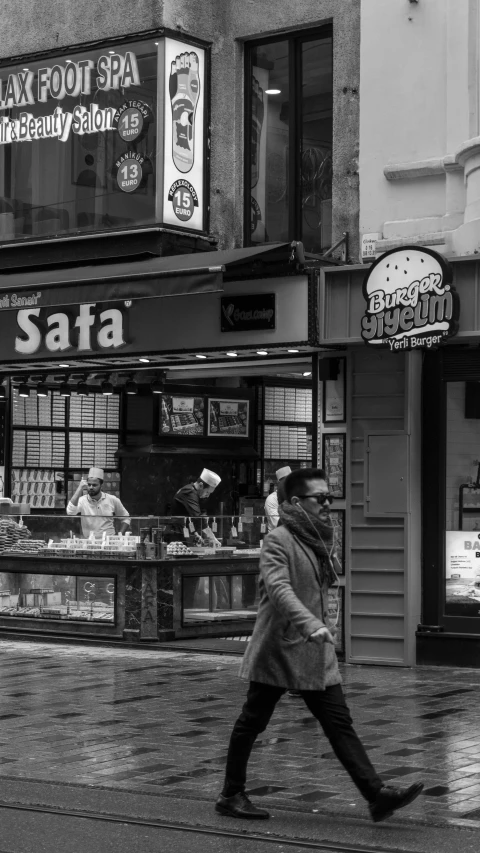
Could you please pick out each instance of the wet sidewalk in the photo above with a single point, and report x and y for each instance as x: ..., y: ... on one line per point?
x: 158, y: 722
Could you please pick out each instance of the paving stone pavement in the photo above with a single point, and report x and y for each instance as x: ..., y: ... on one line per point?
x: 158, y: 722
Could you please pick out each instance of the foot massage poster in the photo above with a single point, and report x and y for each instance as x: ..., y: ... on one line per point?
x: 183, y: 100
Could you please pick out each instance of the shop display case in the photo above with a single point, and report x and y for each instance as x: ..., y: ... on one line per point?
x: 55, y: 575
x: 166, y: 578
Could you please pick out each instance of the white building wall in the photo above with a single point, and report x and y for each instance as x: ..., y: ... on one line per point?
x: 419, y: 158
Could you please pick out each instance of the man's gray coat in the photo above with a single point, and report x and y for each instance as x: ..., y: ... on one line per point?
x: 293, y: 604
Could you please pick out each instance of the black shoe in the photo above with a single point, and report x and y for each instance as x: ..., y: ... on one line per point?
x: 240, y: 806
x: 390, y: 799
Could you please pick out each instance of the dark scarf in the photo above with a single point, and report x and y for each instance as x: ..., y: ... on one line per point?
x: 312, y: 532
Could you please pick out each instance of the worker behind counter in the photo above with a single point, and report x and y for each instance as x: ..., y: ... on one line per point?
x: 97, y: 509
x: 276, y: 498
x: 189, y: 499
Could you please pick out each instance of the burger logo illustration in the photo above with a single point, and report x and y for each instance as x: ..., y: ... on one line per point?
x: 411, y: 301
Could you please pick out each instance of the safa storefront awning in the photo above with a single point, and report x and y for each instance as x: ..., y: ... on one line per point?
x: 138, y: 278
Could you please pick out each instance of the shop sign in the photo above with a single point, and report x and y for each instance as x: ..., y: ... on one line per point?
x: 84, y: 328
x: 70, y: 79
x: 369, y: 245
x: 462, y: 573
x: 184, y: 133
x: 184, y: 199
x: 411, y: 302
x: 131, y: 171
x: 132, y: 120
x: 249, y: 313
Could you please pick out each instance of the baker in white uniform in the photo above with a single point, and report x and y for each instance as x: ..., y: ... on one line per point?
x: 97, y: 508
x: 275, y: 498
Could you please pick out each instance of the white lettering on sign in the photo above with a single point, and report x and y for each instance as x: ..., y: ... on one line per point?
x: 410, y: 301
x: 27, y: 127
x: 57, y: 330
x: 13, y: 300
x: 115, y: 71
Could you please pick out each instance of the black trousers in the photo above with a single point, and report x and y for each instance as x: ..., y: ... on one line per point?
x: 329, y: 708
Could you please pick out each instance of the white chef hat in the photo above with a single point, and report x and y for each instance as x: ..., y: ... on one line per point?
x: 97, y: 473
x: 210, y: 478
x: 283, y: 472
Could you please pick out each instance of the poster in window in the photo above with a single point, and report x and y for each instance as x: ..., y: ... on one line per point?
x: 334, y: 462
x: 336, y: 607
x: 338, y: 521
x: 184, y: 133
x: 182, y: 415
x: 462, y: 573
x: 334, y: 397
x: 228, y: 417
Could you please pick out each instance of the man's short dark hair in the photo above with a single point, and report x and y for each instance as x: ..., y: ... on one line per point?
x: 296, y: 482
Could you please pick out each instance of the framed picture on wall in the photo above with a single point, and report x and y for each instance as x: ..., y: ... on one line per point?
x: 228, y: 417
x: 182, y: 415
x: 334, y: 400
x: 336, y: 615
x: 333, y: 455
x: 338, y: 521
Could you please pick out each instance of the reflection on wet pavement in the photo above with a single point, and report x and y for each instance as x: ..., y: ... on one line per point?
x: 70, y: 716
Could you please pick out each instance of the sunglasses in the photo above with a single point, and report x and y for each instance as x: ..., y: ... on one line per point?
x: 320, y: 497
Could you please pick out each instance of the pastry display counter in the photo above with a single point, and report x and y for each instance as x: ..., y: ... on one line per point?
x: 164, y: 578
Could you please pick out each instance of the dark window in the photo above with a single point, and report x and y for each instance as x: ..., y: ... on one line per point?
x: 288, y: 179
x: 53, y: 183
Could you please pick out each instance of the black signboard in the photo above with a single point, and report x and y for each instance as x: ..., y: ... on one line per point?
x: 248, y: 313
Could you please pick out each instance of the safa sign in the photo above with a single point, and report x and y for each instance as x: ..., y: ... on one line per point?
x: 84, y: 328
x: 410, y: 300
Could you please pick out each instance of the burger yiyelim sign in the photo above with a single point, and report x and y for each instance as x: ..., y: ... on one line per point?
x: 411, y: 301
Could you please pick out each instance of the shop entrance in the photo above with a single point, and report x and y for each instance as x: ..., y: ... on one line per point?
x: 450, y: 631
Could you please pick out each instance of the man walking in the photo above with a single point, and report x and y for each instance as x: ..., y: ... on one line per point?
x: 292, y: 647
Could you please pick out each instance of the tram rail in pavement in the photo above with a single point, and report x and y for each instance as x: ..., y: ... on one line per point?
x: 267, y: 838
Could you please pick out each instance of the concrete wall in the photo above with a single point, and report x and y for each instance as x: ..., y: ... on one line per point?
x: 33, y: 25
x: 419, y: 122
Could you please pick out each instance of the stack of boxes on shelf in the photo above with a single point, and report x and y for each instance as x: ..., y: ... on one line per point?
x: 288, y: 441
x: 33, y: 487
x: 39, y: 457
x: 285, y: 442
x: 94, y: 448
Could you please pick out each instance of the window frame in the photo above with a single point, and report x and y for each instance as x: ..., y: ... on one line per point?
x: 436, y: 377
x: 119, y: 41
x: 295, y: 41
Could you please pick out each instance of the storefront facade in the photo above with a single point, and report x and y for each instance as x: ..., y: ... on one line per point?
x: 153, y: 413
x: 124, y: 163
x: 411, y: 547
